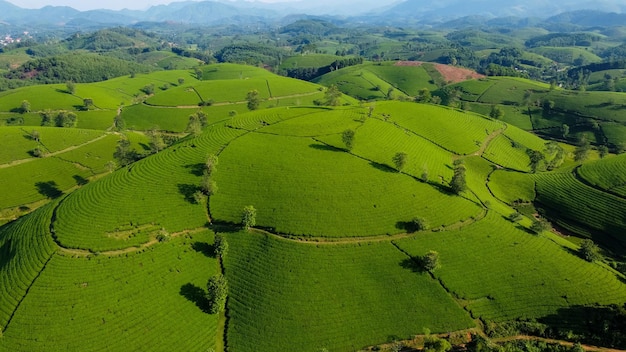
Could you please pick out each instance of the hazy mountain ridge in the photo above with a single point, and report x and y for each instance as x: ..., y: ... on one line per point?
x: 404, y: 13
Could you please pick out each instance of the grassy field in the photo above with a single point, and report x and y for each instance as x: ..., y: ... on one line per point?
x: 500, y: 272
x: 87, y: 271
x: 151, y: 295
x: 347, y: 196
x: 286, y: 295
x: 511, y: 186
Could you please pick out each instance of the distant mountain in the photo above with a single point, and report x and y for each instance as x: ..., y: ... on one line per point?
x: 418, y: 11
x: 453, y: 13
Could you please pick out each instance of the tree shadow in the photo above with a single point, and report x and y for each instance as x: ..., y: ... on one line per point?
x: 145, y: 147
x: 414, y: 264
x: 6, y: 254
x: 80, y: 181
x: 196, y: 295
x: 49, y: 189
x: 196, y: 169
x: 204, y: 248
x: 382, y: 167
x: 595, y: 325
x: 325, y: 147
x: 188, y: 191
x: 225, y: 227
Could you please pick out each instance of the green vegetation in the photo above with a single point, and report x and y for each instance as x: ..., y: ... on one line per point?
x: 358, y: 295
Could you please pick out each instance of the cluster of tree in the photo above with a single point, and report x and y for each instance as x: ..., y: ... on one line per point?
x: 309, y: 73
x: 58, y: 118
x: 563, y: 40
x: 200, y: 55
x: 196, y: 123
x: 482, y: 344
x: 124, y: 153
x: 458, y: 184
x: 79, y: 68
x: 251, y: 54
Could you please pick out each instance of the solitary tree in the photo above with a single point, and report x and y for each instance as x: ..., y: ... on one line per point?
x: 208, y: 186
x: 347, y: 137
x: 515, y: 217
x: 156, y: 140
x: 581, y: 153
x: 430, y: 261
x: 536, y: 158
x: 88, y: 103
x: 589, y: 250
x: 458, y: 182
x: 65, y: 119
x: 34, y: 135
x: 419, y: 224
x: 25, y: 106
x: 436, y: 344
x: 424, y: 96
x: 253, y: 99
x: 118, y: 123
x: 181, y: 81
x: 564, y: 130
x: 496, y: 112
x: 399, y: 160
x: 540, y: 225
x: 211, y: 164
x: 71, y: 87
x: 603, y: 150
x: 217, y: 291
x: 248, y: 218
x: 332, y: 96
x: 220, y: 246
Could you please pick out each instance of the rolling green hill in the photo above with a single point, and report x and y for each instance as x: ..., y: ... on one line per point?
x: 120, y: 259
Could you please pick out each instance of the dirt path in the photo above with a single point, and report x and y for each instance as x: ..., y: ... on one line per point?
x: 561, y: 342
x: 487, y: 141
x: 23, y: 161
x: 152, y: 242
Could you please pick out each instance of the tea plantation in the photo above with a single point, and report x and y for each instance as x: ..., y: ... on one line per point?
x: 101, y: 253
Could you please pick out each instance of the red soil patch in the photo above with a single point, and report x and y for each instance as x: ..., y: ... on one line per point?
x: 450, y: 73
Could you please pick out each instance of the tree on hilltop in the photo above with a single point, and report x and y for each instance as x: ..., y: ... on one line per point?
x: 217, y: 291
x: 458, y: 182
x: 589, y: 250
x: 347, y: 137
x: 399, y: 160
x: 332, y: 96
x: 220, y: 246
x: 430, y: 261
x: 253, y: 99
x: 248, y: 218
x: 24, y: 107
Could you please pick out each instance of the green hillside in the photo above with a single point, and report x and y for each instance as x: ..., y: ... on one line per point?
x: 97, y: 255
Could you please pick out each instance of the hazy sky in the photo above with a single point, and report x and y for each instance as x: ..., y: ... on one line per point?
x: 99, y: 4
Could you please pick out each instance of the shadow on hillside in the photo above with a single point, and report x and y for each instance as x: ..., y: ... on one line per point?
x: 413, y: 264
x: 407, y: 226
x: 6, y: 254
x: 382, y: 167
x: 325, y: 147
x: 196, y: 295
x: 48, y: 189
x: 594, y: 325
x: 204, y: 248
x: 80, y: 181
x: 196, y: 169
x: 188, y: 191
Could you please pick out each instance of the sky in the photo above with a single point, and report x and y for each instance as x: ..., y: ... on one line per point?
x: 99, y: 4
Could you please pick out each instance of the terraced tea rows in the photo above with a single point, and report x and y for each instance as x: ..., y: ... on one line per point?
x: 459, y: 132
x: 335, y: 297
x: 135, y: 202
x: 503, y: 273
x: 607, y: 174
x: 36, y: 180
x: 501, y: 151
x: 145, y: 117
x: 569, y: 199
x: 25, y: 247
x: 143, y: 301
